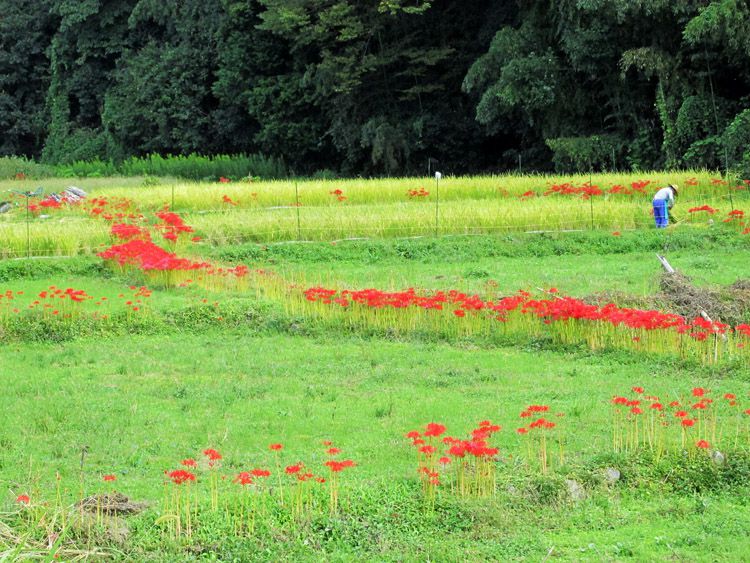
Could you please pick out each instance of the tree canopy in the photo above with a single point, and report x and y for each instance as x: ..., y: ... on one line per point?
x: 377, y: 87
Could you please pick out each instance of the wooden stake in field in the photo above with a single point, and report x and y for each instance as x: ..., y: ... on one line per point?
x: 438, y: 176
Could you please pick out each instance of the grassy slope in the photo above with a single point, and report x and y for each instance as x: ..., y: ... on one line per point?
x: 142, y: 404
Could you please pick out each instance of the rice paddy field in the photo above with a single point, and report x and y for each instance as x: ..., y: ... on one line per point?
x: 489, y: 368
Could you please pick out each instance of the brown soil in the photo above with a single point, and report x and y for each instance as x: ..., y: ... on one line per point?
x: 114, y: 503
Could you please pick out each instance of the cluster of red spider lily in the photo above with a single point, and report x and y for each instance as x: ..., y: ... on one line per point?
x: 243, y: 495
x: 540, y: 434
x: 421, y: 192
x: 468, y: 466
x: 707, y: 208
x: 339, y: 194
x: 67, y: 304
x: 566, y: 319
x: 172, y: 225
x: 140, y: 253
x: 693, y: 422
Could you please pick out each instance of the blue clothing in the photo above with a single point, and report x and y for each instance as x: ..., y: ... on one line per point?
x: 661, y: 213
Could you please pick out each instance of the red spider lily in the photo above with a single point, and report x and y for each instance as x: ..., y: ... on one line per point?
x: 735, y: 214
x: 522, y: 431
x: 421, y: 192
x: 698, y: 391
x: 327, y: 443
x: 428, y: 450
x: 126, y: 232
x: 413, y: 434
x: 180, y: 476
x: 293, y: 469
x: 244, y: 478
x: 260, y: 473
x: 333, y: 451
x: 226, y: 199
x: 680, y: 414
x: 688, y: 422
x: 108, y: 478
x: 212, y: 454
x: 23, y: 499
x: 730, y: 396
x: 444, y: 460
x: 638, y: 390
x: 339, y: 194
x: 702, y: 444
x: 275, y: 447
x: 434, y: 429
x: 224, y: 180
x: 338, y: 466
x: 707, y: 208
x: 189, y: 463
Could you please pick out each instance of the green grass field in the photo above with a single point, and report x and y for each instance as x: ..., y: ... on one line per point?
x: 236, y: 368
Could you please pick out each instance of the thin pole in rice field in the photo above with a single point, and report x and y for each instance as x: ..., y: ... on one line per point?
x: 591, y: 200
x: 296, y: 203
x: 438, y: 175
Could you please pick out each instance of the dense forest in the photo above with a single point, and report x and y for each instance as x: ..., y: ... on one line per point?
x: 378, y: 87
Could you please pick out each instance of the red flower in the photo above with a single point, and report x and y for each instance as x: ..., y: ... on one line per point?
x: 212, y: 454
x: 275, y: 447
x: 23, y: 499
x: 522, y: 431
x: 434, y: 429
x: 336, y: 466
x: 459, y: 313
x: 260, y: 473
x: 181, y: 476
x: 244, y: 478
x: 292, y: 469
x: 413, y: 434
x: 702, y: 444
x: 688, y: 422
x: 638, y: 390
x: 427, y: 450
x: 444, y: 460
x: 333, y: 451
x: 189, y: 462
x: 109, y: 477
x: 698, y: 391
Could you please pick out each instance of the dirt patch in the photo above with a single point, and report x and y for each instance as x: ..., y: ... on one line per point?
x: 729, y: 305
x: 114, y: 503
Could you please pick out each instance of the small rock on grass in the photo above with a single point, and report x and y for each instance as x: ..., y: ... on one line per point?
x: 611, y: 475
x: 575, y: 490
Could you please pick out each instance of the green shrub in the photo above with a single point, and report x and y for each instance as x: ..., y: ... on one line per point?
x: 11, y: 166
